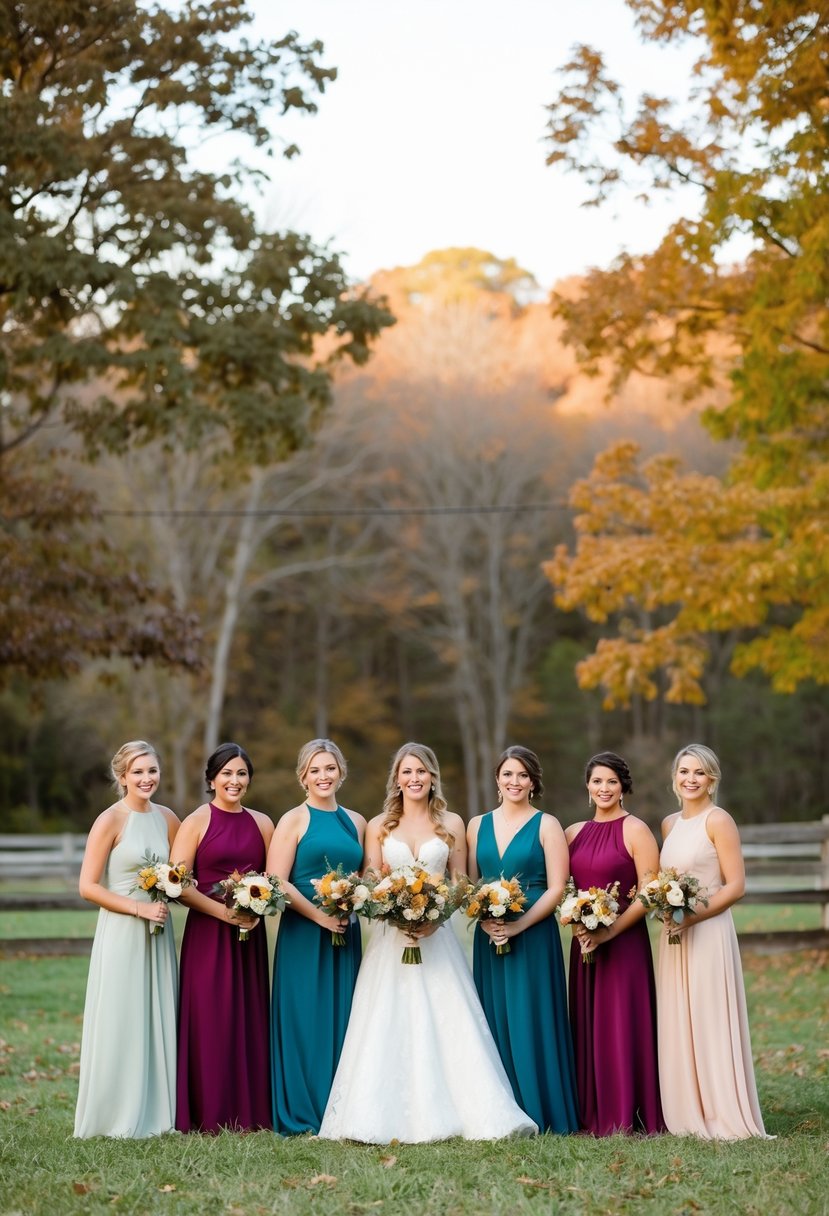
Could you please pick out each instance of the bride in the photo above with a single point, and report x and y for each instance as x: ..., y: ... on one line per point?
x: 418, y: 1062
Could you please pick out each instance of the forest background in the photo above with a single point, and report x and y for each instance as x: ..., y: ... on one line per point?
x: 243, y: 497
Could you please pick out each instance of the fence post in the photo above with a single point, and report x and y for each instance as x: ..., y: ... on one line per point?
x: 67, y: 852
x: 824, y: 873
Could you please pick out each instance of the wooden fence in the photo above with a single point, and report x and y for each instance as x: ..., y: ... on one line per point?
x: 786, y: 863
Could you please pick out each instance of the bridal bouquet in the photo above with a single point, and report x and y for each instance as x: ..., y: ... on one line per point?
x: 494, y: 901
x: 410, y: 896
x: 591, y: 908
x: 259, y: 894
x: 670, y: 897
x: 339, y: 894
x: 161, y: 881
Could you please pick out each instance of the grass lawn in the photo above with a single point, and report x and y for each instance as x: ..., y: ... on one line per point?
x: 45, y: 1172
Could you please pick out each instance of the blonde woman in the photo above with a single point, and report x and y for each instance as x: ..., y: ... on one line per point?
x: 128, y: 1047
x: 706, y: 1072
x: 418, y: 1062
x: 313, y: 981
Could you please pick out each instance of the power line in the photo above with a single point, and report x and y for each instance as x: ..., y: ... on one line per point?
x: 328, y: 512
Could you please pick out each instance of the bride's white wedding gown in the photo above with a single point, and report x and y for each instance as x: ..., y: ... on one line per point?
x: 419, y: 1062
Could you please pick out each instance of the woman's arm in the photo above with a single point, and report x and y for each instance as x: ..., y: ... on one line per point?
x: 458, y: 858
x: 103, y: 836
x: 281, y: 856
x: 472, y: 847
x: 373, y: 846
x: 557, y: 863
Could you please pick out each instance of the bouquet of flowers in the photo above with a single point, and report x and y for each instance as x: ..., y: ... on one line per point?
x: 161, y: 881
x: 339, y: 894
x: 259, y: 894
x: 591, y: 908
x: 670, y: 897
x: 410, y: 896
x: 494, y: 901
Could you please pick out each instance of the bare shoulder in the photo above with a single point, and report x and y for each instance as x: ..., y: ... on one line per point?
x: 293, y: 820
x: 261, y: 818
x: 473, y: 826
x: 719, y: 822
x: 197, y: 819
x: 550, y: 828
x: 454, y: 823
x: 668, y: 823
x: 637, y: 829
x: 356, y: 818
x: 172, y: 818
x: 572, y: 830
x: 109, y: 822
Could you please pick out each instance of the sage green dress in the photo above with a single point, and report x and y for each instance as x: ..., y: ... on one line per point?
x: 128, y: 1047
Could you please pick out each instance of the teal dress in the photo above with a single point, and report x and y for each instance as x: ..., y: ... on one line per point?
x: 523, y: 993
x: 313, y: 982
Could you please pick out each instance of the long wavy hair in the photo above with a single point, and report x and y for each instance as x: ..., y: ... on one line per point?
x: 393, y: 805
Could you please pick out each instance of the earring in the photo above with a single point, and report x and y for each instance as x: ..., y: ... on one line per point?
x: 589, y: 803
x: 622, y: 801
x: 710, y: 791
x: 500, y: 795
x: 431, y: 789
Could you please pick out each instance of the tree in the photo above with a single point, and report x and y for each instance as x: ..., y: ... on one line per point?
x: 674, y: 557
x: 138, y: 298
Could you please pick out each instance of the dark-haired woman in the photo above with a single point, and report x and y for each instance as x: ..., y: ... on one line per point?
x: 612, y: 1000
x: 223, y: 1043
x: 523, y: 992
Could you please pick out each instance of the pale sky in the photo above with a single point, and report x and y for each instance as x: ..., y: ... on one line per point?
x: 433, y: 133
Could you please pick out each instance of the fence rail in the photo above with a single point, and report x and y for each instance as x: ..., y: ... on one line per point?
x: 785, y: 863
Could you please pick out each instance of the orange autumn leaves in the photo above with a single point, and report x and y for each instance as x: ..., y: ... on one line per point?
x: 671, y: 558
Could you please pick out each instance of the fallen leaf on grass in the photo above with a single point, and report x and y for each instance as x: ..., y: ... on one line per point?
x: 536, y: 1182
x: 322, y: 1180
x: 388, y: 1162
x: 5, y: 1105
x: 81, y: 1188
x: 167, y: 1188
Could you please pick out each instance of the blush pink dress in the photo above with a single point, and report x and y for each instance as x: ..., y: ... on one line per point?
x: 706, y: 1073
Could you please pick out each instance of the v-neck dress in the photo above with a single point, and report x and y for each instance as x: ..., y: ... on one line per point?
x: 524, y: 993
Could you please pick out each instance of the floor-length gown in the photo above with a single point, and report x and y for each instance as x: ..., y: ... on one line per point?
x: 223, y: 1050
x: 418, y: 1062
x: 705, y: 1066
x: 613, y: 1000
x: 128, y: 1048
x: 313, y: 982
x: 523, y: 993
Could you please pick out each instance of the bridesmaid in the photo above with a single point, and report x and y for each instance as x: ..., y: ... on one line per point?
x: 523, y: 993
x: 128, y: 1048
x: 223, y: 1065
x: 705, y: 1064
x: 313, y: 980
x: 612, y: 1001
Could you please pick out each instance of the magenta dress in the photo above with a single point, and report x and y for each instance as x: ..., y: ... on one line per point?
x: 223, y: 1045
x: 613, y: 1001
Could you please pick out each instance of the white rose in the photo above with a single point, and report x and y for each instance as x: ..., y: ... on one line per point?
x: 497, y: 910
x: 568, y: 907
x: 674, y: 895
x: 258, y: 906
x: 440, y: 902
x: 360, y: 896
x: 409, y: 913
x: 433, y: 914
x: 590, y: 922
x: 243, y: 896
